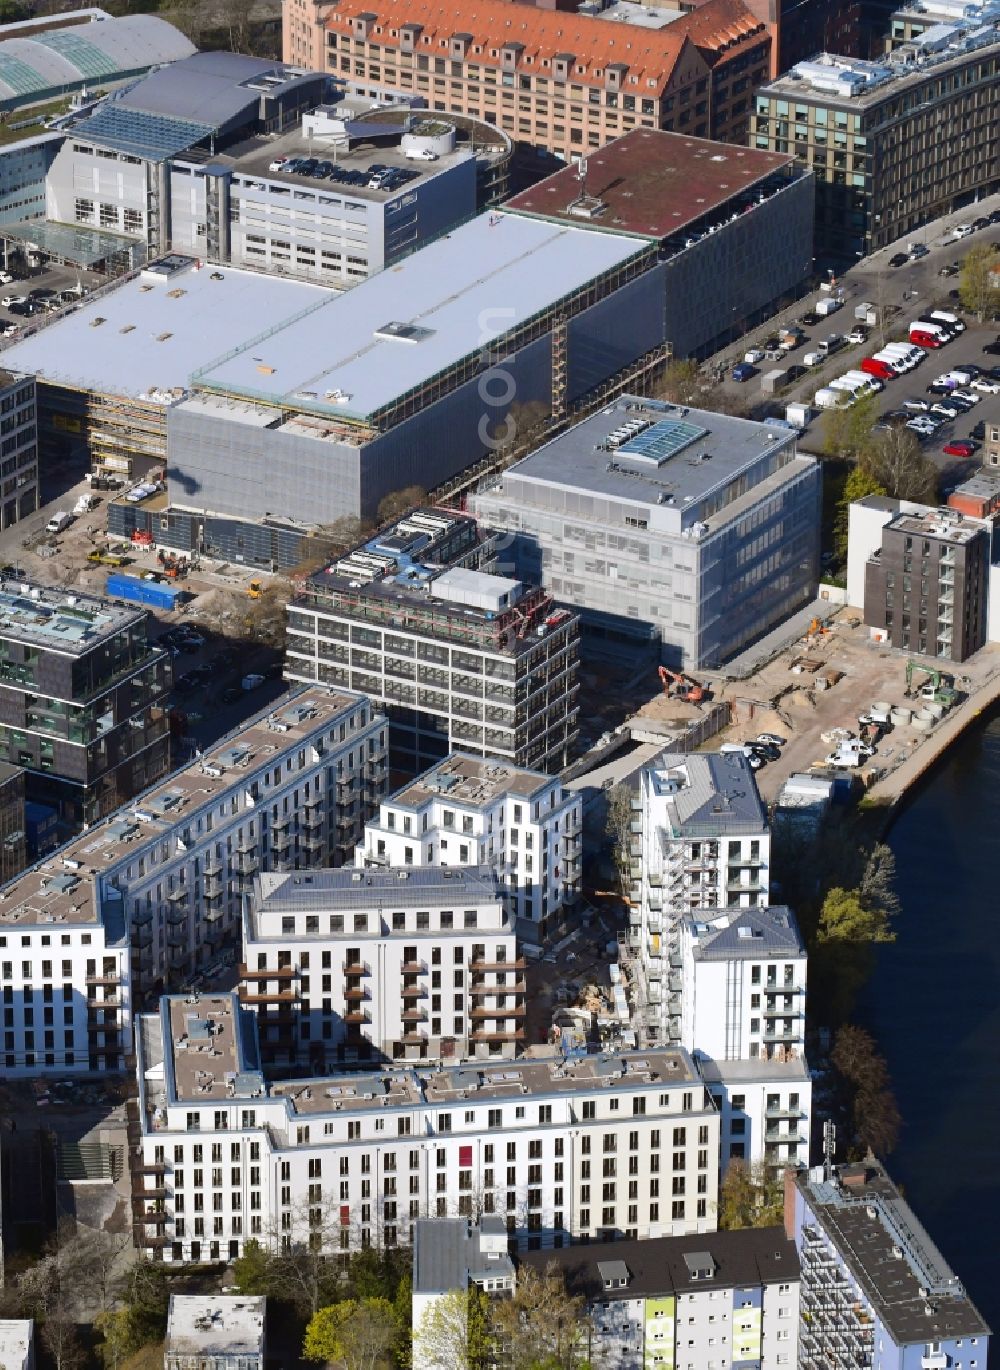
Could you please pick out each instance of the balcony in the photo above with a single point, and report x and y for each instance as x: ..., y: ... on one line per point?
x: 414, y: 1015
x: 313, y: 820
x: 281, y: 842
x: 142, y: 1196
x: 479, y: 988
x: 108, y: 977
x: 177, y: 915
x: 480, y: 1036
x: 175, y: 896
x: 357, y: 1015
x: 413, y: 992
x: 268, y: 973
x: 774, y: 1134
x: 356, y: 993
x: 774, y: 1035
x: 519, y: 964
x: 151, y: 1168
x: 413, y: 967
x: 783, y: 1111
x: 516, y: 1011
x: 278, y: 996
x: 153, y: 1215
x: 153, y: 1239
x: 356, y: 968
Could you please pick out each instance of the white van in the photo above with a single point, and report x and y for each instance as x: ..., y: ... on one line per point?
x: 58, y: 522
x: 951, y: 320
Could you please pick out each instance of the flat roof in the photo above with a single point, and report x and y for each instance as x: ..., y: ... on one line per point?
x: 641, y: 451
x: 916, y: 1295
x: 395, y: 331
x: 361, y: 157
x: 471, y: 780
x: 707, y: 792
x: 651, y: 183
x: 867, y: 84
x: 448, y: 1251
x: 154, y: 330
x: 60, y: 620
x: 945, y: 525
x: 356, y: 888
x: 215, y: 1325
x: 660, y: 1266
x: 61, y: 887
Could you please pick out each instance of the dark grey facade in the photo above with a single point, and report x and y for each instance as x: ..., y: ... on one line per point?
x: 926, y: 585
x: 83, y: 700
x: 18, y: 448
x: 13, y: 832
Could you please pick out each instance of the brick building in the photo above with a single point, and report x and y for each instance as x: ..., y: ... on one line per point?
x: 555, y: 81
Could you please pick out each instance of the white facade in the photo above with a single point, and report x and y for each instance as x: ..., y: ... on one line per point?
x: 17, y: 1344
x: 471, y: 811
x: 167, y: 873
x: 744, y: 978
x: 416, y: 964
x: 703, y: 845
x: 215, y: 1332
x: 592, y: 1147
x: 66, y: 977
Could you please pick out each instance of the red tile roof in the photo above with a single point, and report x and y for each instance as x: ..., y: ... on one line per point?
x: 652, y: 182
x: 649, y: 54
x: 719, y: 27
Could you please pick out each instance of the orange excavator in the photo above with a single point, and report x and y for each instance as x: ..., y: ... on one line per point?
x: 679, y: 686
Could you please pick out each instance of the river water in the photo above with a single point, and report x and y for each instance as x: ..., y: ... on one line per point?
x: 934, y: 1008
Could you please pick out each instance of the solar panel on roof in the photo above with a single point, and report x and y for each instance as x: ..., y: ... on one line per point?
x: 663, y: 440
x: 154, y: 137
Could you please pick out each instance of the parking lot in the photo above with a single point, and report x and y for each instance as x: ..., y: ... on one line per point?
x: 42, y: 288
x: 902, y: 293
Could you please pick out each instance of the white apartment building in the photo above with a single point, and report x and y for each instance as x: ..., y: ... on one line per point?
x: 704, y: 845
x: 470, y: 810
x: 727, y: 1299
x: 290, y: 789
x: 743, y: 1017
x: 397, y: 963
x: 450, y: 1255
x: 215, y: 1332
x: 17, y: 1343
x: 589, y: 1148
x: 65, y: 974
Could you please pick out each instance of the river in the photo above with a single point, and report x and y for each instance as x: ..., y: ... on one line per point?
x: 934, y: 1008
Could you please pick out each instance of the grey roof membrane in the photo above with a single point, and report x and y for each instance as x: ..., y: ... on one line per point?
x: 356, y: 888
x: 720, y: 789
x: 481, y: 280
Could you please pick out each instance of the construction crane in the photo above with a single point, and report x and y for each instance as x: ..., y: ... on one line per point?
x: 939, y: 686
x: 681, y: 686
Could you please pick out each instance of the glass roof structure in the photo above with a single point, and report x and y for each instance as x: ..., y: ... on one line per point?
x: 663, y: 440
x: 71, y: 243
x: 37, y: 65
x: 154, y: 137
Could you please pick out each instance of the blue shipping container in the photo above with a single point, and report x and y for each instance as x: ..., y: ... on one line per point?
x: 152, y: 593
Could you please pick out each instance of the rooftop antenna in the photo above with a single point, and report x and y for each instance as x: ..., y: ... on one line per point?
x: 829, y: 1147
x: 581, y: 174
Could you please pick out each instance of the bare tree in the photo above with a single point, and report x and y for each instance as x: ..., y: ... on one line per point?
x: 542, y: 1323
x: 894, y: 458
x: 979, y: 282
x: 395, y: 504
x: 454, y: 1332
x: 618, y: 826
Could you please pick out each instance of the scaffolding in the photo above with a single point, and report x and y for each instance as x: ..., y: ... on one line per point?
x: 560, y: 366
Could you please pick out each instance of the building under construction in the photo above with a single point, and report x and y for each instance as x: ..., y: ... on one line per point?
x: 109, y: 372
x: 460, y: 658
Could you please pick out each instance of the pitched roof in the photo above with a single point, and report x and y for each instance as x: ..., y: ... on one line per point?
x: 752, y: 934
x: 719, y: 28
x: 650, y: 54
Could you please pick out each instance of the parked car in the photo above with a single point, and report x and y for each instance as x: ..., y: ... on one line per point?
x: 951, y: 269
x: 858, y: 335
x: 743, y: 371
x: 992, y: 349
x: 754, y: 356
x: 946, y: 411
x: 979, y: 431
x: 8, y: 300
x: 917, y: 405
x: 767, y: 750
x: 809, y: 320
x: 231, y: 695
x: 6, y: 278
x: 961, y: 231
x: 979, y: 224
x: 898, y: 259
x: 772, y: 738
x: 959, y: 448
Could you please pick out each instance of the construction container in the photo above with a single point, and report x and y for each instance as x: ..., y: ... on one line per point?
x: 152, y: 593
x: 774, y: 380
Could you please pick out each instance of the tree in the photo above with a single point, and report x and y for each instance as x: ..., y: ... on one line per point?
x: 252, y: 1271
x: 118, y: 1337
x: 878, y: 882
x: 397, y: 502
x: 542, y: 1324
x: 875, y: 1115
x: 750, y: 1195
x: 895, y: 460
x: 455, y: 1332
x: 618, y: 826
x: 359, y: 1333
x: 859, y: 485
x: 847, y: 432
x: 848, y: 917
x: 979, y: 282
x: 681, y: 383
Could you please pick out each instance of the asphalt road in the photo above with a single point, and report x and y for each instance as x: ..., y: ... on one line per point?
x: 909, y: 290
